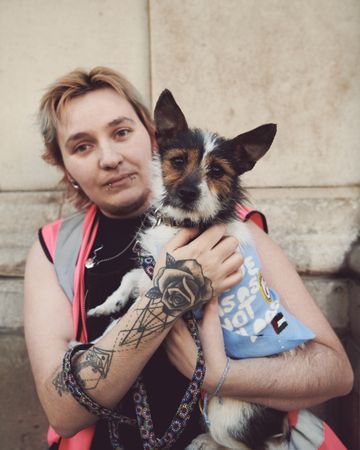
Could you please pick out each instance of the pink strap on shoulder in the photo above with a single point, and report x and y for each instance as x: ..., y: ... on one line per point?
x: 244, y: 213
x: 89, y: 233
x: 49, y: 233
x: 83, y: 439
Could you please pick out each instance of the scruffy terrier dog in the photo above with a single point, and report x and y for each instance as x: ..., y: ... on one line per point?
x: 196, y: 183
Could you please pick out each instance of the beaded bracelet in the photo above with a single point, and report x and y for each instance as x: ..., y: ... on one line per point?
x: 81, y: 396
x: 142, y: 407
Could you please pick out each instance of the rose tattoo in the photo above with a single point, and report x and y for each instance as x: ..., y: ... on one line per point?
x: 180, y: 286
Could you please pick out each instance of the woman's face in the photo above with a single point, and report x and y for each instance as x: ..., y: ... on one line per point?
x: 107, y: 150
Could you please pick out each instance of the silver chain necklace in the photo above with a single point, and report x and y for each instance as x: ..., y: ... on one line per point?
x: 93, y: 262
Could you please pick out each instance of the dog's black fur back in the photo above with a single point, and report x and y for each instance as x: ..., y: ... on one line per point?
x: 261, y: 427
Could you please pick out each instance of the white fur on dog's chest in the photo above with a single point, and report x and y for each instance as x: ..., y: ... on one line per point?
x: 153, y: 240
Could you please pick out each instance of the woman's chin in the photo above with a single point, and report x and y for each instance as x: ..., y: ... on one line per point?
x: 130, y: 207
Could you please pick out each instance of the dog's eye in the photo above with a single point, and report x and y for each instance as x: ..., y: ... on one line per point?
x: 216, y: 171
x: 178, y: 162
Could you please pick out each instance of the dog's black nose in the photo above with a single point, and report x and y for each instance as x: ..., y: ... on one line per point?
x: 187, y: 194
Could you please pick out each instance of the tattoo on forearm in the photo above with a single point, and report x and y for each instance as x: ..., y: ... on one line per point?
x: 178, y: 287
x: 96, y: 359
x: 59, y: 384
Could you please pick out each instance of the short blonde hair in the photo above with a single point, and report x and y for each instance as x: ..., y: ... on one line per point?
x: 76, y: 83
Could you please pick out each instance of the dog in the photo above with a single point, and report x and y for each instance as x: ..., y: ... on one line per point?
x: 197, y: 183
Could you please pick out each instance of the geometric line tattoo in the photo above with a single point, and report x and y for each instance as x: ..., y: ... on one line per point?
x: 99, y: 361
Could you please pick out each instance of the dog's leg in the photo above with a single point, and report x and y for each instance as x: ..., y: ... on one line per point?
x: 118, y: 299
x: 204, y: 442
x: 235, y: 424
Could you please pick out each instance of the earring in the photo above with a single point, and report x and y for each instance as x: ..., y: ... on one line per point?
x: 74, y: 184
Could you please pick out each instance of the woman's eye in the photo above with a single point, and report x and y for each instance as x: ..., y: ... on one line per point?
x: 81, y: 148
x: 216, y: 171
x: 178, y: 162
x: 123, y: 132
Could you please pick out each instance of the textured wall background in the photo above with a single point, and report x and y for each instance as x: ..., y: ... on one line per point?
x: 232, y: 65
x: 41, y: 40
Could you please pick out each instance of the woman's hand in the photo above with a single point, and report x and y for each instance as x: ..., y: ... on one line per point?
x: 220, y: 262
x: 182, y: 351
x: 198, y: 268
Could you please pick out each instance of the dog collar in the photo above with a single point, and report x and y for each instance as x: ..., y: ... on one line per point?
x: 171, y: 222
x: 186, y: 223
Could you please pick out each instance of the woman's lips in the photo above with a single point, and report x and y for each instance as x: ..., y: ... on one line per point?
x: 120, y: 181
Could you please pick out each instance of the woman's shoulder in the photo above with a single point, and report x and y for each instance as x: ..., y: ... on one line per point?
x: 49, y: 233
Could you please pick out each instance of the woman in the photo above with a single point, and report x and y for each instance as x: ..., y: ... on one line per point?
x: 101, y: 136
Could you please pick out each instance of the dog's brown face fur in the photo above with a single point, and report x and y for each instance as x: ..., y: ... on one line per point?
x: 200, y: 170
x: 177, y: 164
x: 220, y: 176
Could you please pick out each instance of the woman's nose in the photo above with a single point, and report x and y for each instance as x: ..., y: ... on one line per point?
x: 109, y: 156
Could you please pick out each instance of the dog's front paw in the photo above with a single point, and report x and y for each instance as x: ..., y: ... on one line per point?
x: 204, y: 442
x: 111, y: 305
x: 97, y: 312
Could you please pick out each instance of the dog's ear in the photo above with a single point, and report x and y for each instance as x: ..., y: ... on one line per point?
x: 253, y: 145
x: 169, y: 119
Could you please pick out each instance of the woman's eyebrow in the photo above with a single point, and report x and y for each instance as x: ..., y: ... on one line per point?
x: 119, y: 120
x: 82, y: 135
x: 75, y: 137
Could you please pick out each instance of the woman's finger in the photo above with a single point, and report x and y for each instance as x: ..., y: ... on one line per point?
x: 208, y: 239
x: 231, y: 280
x: 183, y: 237
x: 232, y: 264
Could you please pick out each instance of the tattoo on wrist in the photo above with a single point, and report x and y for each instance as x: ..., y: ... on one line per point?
x: 178, y: 287
x: 98, y: 361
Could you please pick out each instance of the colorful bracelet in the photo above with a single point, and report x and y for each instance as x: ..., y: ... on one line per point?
x: 81, y: 397
x: 216, y: 392
x: 223, y: 377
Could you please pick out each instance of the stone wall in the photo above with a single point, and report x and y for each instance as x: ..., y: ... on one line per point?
x: 41, y: 40
x: 232, y: 65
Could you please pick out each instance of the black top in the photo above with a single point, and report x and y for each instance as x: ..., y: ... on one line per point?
x: 164, y: 384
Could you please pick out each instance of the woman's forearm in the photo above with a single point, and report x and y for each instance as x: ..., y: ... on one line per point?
x: 291, y: 381
x: 107, y: 370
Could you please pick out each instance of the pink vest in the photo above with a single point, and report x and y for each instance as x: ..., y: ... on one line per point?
x: 308, y: 432
x: 83, y: 439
